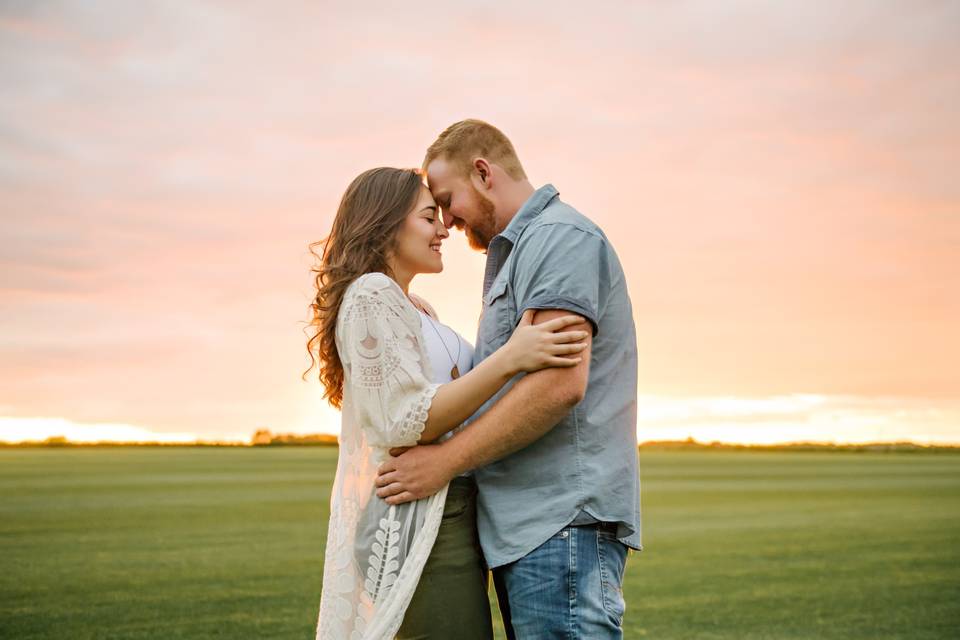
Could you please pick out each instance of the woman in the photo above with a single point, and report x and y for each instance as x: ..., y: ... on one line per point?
x: 374, y: 348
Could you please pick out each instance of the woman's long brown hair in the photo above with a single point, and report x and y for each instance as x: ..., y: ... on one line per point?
x: 364, y: 231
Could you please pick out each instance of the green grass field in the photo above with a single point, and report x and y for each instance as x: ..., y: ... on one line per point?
x: 228, y: 542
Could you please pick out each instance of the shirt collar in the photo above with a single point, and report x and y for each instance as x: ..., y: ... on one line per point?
x: 530, y: 209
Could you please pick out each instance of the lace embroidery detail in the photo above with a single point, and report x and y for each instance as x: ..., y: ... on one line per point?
x: 383, y: 561
x: 376, y: 357
x: 384, y: 362
x: 336, y: 610
x: 416, y: 418
x: 370, y: 574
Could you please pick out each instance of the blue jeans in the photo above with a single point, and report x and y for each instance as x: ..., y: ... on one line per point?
x: 569, y: 587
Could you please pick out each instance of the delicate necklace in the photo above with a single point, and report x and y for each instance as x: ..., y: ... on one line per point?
x: 455, y: 371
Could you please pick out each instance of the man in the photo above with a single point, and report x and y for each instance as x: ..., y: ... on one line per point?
x: 554, y: 453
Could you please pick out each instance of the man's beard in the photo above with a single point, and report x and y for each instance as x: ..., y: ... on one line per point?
x: 484, y: 228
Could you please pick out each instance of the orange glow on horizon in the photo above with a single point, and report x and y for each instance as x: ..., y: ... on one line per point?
x: 731, y: 420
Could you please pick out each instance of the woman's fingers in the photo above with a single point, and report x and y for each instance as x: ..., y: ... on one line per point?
x: 563, y: 362
x: 527, y: 317
x: 560, y: 323
x: 563, y: 349
x: 568, y: 336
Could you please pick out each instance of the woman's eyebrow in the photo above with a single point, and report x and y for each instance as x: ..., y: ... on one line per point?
x: 430, y: 207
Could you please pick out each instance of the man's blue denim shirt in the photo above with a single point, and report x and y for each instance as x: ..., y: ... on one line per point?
x: 550, y: 256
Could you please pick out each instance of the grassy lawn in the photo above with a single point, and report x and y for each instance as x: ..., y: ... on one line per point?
x: 228, y: 542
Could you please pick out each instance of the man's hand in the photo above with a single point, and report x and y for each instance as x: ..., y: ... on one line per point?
x: 415, y: 472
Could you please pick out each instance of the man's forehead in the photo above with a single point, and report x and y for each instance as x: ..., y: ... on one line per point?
x: 437, y: 165
x: 440, y: 178
x: 435, y: 182
x: 436, y: 189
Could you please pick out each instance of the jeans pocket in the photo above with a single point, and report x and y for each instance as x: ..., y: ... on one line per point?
x: 612, y: 555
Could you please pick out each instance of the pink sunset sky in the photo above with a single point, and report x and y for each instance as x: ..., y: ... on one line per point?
x: 780, y: 182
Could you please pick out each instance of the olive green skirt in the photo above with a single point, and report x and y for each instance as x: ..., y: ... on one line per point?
x: 451, y: 597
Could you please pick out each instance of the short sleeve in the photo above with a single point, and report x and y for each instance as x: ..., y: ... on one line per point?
x: 391, y: 393
x: 560, y: 266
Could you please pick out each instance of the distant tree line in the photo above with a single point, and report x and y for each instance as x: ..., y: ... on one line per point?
x: 265, y: 438
x: 893, y: 447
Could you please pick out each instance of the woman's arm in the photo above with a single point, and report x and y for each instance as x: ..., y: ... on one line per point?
x: 395, y: 404
x: 530, y: 348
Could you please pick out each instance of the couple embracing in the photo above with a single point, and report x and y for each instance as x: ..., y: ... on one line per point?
x: 517, y: 457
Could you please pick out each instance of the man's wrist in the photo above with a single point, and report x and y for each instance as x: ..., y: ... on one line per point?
x: 453, y: 460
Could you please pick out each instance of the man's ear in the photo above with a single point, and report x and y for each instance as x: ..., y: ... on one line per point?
x: 482, y: 169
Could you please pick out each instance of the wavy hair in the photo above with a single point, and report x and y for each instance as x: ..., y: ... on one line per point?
x: 363, y: 234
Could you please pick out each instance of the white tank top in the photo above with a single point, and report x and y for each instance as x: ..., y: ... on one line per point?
x: 443, y: 344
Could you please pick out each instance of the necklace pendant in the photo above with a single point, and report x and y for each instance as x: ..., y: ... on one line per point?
x: 455, y: 372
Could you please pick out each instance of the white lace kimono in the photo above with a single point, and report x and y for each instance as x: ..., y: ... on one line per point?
x: 376, y: 552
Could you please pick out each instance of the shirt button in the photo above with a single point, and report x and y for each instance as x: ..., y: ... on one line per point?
x: 564, y: 534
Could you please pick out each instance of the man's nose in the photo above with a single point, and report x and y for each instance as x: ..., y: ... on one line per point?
x: 447, y: 219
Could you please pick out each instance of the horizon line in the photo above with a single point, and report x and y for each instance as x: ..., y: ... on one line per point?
x: 325, y: 439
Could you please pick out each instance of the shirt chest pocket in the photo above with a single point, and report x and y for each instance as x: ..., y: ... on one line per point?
x: 496, y: 319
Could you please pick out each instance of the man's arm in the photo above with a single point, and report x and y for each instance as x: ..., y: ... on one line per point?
x: 533, y: 406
